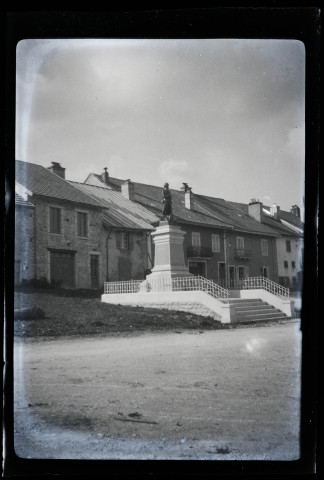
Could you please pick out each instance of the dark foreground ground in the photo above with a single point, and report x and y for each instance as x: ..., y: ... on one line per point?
x: 133, y: 391
x: 64, y: 313
x: 78, y: 314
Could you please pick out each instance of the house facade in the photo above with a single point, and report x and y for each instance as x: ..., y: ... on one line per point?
x: 290, y: 244
x: 78, y: 235
x: 125, y: 235
x: 290, y: 261
x: 228, y: 256
x: 289, y: 240
x: 24, y: 239
x: 79, y: 239
x: 68, y: 243
x: 67, y: 228
x: 221, y: 242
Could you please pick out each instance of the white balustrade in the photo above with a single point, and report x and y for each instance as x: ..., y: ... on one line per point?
x: 266, y: 284
x: 164, y: 284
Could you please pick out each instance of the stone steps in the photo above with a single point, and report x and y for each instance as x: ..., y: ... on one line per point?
x: 255, y: 310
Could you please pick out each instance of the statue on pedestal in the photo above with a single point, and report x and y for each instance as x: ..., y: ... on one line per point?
x: 167, y: 203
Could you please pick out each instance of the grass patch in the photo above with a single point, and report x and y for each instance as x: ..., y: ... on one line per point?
x: 67, y: 314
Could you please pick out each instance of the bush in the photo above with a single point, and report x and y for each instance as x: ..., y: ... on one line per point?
x: 41, y: 283
x: 35, y: 283
x: 29, y: 313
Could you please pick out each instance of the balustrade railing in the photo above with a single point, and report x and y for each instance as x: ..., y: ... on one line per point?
x: 199, y: 252
x: 129, y: 286
x: 164, y: 284
x: 242, y: 253
x: 266, y: 284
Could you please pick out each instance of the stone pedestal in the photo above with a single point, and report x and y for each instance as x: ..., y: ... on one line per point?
x: 169, y: 255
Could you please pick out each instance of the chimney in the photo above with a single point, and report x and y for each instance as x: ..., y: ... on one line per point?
x: 274, y: 211
x: 255, y: 210
x: 57, y: 169
x: 295, y: 210
x: 105, y: 176
x: 189, y: 196
x: 127, y: 190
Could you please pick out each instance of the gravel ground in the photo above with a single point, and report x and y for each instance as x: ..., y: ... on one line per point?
x: 207, y: 395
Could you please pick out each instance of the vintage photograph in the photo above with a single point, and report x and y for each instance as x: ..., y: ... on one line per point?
x: 158, y: 249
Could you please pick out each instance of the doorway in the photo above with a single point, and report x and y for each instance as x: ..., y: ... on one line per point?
x: 62, y: 268
x: 265, y: 272
x: 197, y: 268
x: 222, y: 274
x: 94, y: 271
x: 231, y: 276
x: 124, y: 269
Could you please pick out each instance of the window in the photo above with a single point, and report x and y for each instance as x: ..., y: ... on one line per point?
x: 284, y: 281
x: 240, y: 273
x: 122, y: 240
x: 240, y: 243
x: 195, y: 239
x: 288, y: 246
x: 82, y: 224
x: 285, y: 264
x: 265, y: 272
x: 55, y: 220
x: 17, y: 272
x: 215, y: 242
x: 264, y: 247
x: 293, y: 264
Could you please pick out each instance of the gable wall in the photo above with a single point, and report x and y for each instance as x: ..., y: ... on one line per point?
x: 67, y: 240
x: 24, y: 243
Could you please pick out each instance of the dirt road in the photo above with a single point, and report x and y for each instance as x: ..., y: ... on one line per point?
x: 227, y: 394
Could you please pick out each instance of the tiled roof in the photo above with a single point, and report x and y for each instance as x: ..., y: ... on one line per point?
x: 40, y: 181
x: 207, y: 211
x: 276, y: 224
x: 95, y: 179
x: 239, y: 218
x: 150, y: 196
x: 121, y: 212
x: 280, y: 227
x: 20, y: 201
x: 290, y: 218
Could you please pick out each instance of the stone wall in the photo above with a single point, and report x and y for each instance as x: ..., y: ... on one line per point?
x: 126, y: 263
x: 68, y: 239
x: 24, y: 243
x: 197, y: 302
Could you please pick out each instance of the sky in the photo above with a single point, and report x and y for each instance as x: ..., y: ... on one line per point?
x: 226, y: 116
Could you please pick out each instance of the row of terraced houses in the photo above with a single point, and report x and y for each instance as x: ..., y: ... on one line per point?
x: 78, y: 235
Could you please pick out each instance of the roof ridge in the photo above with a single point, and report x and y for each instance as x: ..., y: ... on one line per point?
x: 42, y: 181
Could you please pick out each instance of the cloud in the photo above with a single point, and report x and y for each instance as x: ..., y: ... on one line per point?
x: 213, y: 113
x: 295, y: 144
x: 172, y: 171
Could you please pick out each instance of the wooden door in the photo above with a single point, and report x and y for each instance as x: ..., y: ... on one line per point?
x: 94, y: 271
x: 62, y: 269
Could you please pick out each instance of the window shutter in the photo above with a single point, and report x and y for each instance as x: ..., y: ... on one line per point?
x: 130, y: 240
x: 118, y: 240
x: 240, y: 243
x: 55, y: 220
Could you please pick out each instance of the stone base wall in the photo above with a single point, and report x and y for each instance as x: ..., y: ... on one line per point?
x: 195, y: 302
x: 190, y: 307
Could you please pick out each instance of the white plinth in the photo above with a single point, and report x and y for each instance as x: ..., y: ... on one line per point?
x: 169, y: 255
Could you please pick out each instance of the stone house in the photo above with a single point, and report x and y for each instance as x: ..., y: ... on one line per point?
x: 67, y: 227
x: 223, y: 242
x: 24, y: 239
x: 79, y: 240
x: 290, y: 244
x: 289, y: 239
x: 125, y: 235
